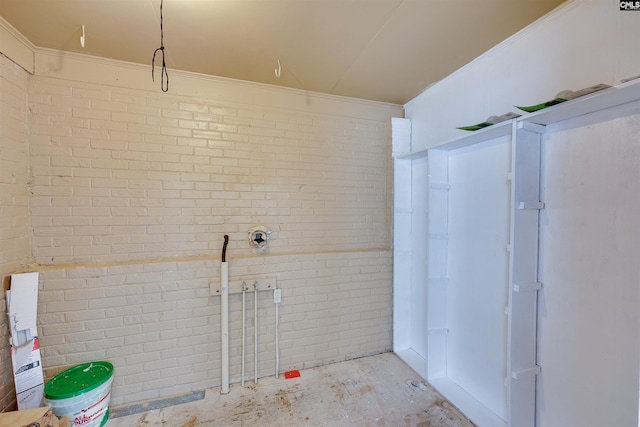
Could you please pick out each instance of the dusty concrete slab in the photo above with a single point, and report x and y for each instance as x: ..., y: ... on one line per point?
x: 378, y: 390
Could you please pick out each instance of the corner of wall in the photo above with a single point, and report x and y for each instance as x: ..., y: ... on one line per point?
x: 16, y: 47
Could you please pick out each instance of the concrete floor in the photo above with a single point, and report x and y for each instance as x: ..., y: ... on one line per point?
x: 378, y: 390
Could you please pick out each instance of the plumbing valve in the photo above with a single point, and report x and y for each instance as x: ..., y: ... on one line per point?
x: 259, y: 237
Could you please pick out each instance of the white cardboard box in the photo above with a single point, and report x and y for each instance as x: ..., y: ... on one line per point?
x: 22, y: 308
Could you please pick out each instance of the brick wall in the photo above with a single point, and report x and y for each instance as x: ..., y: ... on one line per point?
x: 132, y: 192
x: 130, y: 175
x: 160, y: 328
x: 14, y: 212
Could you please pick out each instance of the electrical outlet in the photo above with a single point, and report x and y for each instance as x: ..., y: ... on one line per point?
x: 277, y: 296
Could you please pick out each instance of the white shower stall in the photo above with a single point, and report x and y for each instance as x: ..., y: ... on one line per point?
x: 468, y: 243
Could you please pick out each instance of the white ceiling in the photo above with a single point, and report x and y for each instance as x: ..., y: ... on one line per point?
x: 383, y: 50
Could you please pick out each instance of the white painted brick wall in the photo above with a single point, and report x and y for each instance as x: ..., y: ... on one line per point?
x: 160, y: 328
x: 122, y: 174
x: 131, y: 194
x: 14, y: 213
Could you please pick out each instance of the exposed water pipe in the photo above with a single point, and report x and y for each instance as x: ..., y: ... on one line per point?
x: 224, y: 312
x: 255, y: 331
x: 244, y: 326
x: 277, y: 298
x: 277, y: 350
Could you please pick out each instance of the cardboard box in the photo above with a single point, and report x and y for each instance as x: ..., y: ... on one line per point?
x: 22, y: 418
x: 33, y: 417
x: 22, y: 308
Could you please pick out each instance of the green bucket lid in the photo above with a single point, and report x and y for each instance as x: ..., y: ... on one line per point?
x: 78, y: 380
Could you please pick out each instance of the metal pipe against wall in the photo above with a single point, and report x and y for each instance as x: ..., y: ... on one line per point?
x: 224, y: 329
x: 277, y: 299
x: 244, y: 326
x: 277, y: 333
x: 224, y: 313
x: 255, y: 331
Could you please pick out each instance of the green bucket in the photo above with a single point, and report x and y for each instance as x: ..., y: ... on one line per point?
x: 82, y: 394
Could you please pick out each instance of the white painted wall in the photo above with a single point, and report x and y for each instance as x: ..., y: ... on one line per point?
x: 589, y: 311
x: 477, y: 269
x: 14, y: 202
x: 588, y: 337
x: 581, y: 44
x: 128, y: 191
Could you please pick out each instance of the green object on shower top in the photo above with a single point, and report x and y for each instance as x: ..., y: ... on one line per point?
x: 532, y: 108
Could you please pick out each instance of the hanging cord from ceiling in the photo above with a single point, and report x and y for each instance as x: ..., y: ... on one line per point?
x: 163, y: 86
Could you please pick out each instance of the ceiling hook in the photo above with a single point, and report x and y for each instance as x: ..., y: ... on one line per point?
x: 82, y: 37
x: 278, y: 70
